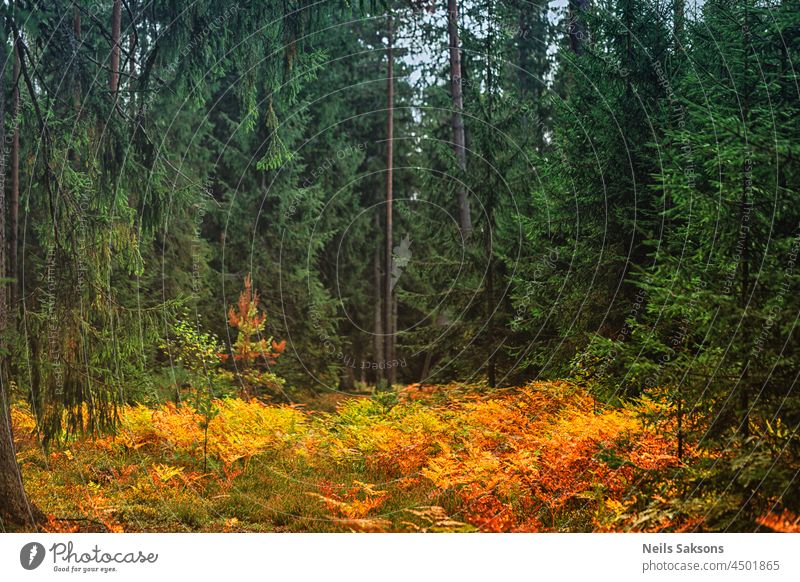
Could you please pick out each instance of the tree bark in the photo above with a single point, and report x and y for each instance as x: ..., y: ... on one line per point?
x: 76, y: 31
x: 377, y: 336
x: 14, y: 506
x: 457, y: 92
x: 680, y: 421
x: 76, y: 92
x: 13, y: 227
x: 76, y: 23
x: 426, y: 366
x: 391, y: 373
x: 116, y: 21
x: 491, y: 369
x: 4, y: 289
x: 678, y: 17
x: 389, y: 332
x: 744, y: 217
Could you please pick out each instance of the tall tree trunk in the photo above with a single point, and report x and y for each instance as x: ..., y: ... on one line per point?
x: 491, y: 335
x: 13, y: 227
x: 679, y: 413
x: 389, y: 332
x: 131, y: 62
x: 457, y: 92
x: 577, y: 26
x: 391, y: 373
x: 76, y: 93
x: 14, y: 507
x: 628, y: 9
x: 678, y: 18
x: 491, y: 375
x: 426, y: 366
x: 76, y: 23
x: 131, y: 47
x: 76, y: 31
x: 523, y: 56
x: 744, y: 217
x: 3, y: 220
x: 377, y: 336
x: 116, y: 22
x: 132, y: 40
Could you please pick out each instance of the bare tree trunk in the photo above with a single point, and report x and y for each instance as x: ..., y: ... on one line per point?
x: 678, y: 17
x: 131, y: 47
x: 491, y: 369
x: 116, y: 21
x: 389, y: 331
x: 76, y: 31
x: 13, y: 230
x: 76, y: 93
x: 14, y: 507
x: 426, y: 366
x: 457, y: 92
x: 3, y: 248
x: 392, y: 372
x: 132, y: 40
x: 679, y: 412
x: 377, y: 336
x: 746, y: 203
x: 76, y: 23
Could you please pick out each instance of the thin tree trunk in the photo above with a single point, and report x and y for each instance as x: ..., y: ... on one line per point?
x: 4, y: 289
x: 628, y: 46
x: 389, y: 332
x: 680, y: 422
x: 76, y: 32
x: 76, y: 23
x: 131, y: 49
x: 491, y: 375
x: 491, y: 371
x: 76, y: 93
x: 392, y: 372
x: 744, y: 396
x: 347, y: 381
x: 678, y: 18
x: 523, y: 60
x: 426, y: 367
x: 116, y: 22
x: 14, y: 506
x: 377, y: 336
x: 13, y: 230
x: 457, y: 92
x: 577, y: 26
x: 131, y: 84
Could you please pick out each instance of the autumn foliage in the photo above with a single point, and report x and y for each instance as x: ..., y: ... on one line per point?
x: 249, y: 320
x: 544, y: 457
x: 253, y: 351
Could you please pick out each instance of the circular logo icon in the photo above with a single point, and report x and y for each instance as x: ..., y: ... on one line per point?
x: 31, y: 555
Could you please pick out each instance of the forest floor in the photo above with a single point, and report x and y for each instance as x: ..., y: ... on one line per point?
x: 544, y: 457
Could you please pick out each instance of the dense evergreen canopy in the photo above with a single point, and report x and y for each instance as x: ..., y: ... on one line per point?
x: 628, y: 168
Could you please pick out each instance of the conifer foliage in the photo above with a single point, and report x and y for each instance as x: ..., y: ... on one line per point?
x: 495, y: 265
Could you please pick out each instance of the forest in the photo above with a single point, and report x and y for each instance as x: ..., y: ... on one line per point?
x: 399, y: 266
